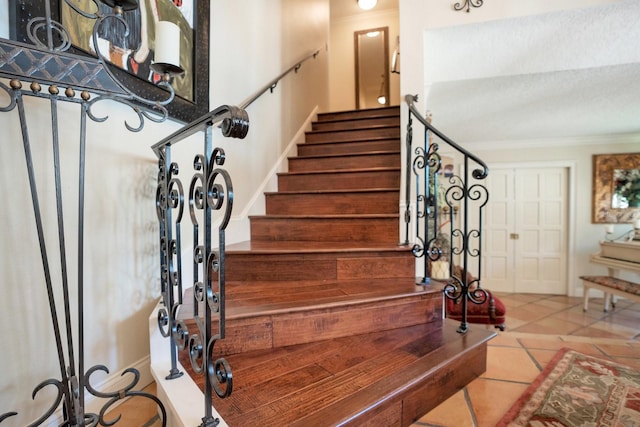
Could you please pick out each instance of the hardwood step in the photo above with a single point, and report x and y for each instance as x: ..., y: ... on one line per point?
x: 385, y: 177
x: 268, y: 315
x: 285, y: 260
x: 381, y: 132
x: 375, y: 201
x: 345, y: 161
x: 349, y: 147
x: 383, y: 378
x: 365, y: 122
x: 328, y: 228
x: 358, y: 114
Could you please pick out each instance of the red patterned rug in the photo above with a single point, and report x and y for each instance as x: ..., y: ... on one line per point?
x: 576, y: 390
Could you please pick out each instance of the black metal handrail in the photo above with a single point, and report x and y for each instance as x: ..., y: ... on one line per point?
x: 273, y: 83
x: 440, y: 205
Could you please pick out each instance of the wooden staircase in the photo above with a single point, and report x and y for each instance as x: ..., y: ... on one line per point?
x: 325, y: 323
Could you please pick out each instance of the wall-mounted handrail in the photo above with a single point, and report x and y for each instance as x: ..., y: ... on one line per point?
x: 452, y: 205
x: 273, y: 83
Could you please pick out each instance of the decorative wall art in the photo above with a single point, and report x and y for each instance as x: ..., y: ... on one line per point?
x: 131, y: 56
x: 616, y: 188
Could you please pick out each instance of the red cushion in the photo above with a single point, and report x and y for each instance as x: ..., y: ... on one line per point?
x: 478, y: 313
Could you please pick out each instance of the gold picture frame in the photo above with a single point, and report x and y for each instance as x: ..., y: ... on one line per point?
x: 603, y: 188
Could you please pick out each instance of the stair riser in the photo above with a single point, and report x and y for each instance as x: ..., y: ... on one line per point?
x: 339, y: 180
x: 285, y: 329
x: 356, y: 124
x: 442, y: 384
x: 358, y: 114
x: 319, y: 266
x: 332, y: 203
x: 357, y: 147
x: 356, y: 229
x: 353, y: 135
x: 310, y: 164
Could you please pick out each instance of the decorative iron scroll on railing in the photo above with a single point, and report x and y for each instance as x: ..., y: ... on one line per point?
x: 450, y: 202
x: 55, y: 75
x: 210, y: 190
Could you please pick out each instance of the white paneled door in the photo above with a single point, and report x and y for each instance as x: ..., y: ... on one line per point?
x: 525, y: 230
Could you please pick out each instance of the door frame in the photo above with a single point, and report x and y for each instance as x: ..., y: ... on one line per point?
x: 572, y: 284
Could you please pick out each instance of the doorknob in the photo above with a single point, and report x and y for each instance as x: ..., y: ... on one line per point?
x: 514, y: 236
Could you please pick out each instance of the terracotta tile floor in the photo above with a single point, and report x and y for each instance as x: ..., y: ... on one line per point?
x: 537, y: 327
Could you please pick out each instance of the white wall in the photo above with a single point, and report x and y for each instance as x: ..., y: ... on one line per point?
x: 265, y: 38
x: 252, y: 41
x: 342, y: 60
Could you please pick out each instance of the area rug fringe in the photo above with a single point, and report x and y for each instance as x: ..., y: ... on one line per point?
x: 577, y: 390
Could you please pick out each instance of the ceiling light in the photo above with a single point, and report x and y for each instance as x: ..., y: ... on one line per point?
x: 367, y: 4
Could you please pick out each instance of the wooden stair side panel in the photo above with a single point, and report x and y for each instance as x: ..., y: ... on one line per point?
x: 343, y: 162
x: 363, y: 228
x: 350, y: 147
x: 333, y: 203
x: 387, y: 177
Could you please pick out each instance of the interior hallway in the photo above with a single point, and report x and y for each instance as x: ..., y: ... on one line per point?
x: 537, y: 326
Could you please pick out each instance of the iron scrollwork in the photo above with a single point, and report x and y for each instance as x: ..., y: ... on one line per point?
x: 459, y: 202
x: 48, y: 63
x: 209, y: 194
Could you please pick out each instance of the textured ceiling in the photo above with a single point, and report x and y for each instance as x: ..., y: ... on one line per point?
x: 569, y: 74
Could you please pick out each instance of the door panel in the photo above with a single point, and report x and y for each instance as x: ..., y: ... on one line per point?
x: 526, y: 233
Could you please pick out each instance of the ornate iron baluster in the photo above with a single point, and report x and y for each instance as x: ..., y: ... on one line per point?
x: 41, y: 63
x: 210, y: 191
x: 463, y: 193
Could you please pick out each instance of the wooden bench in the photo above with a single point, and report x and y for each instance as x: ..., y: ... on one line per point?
x: 610, y: 286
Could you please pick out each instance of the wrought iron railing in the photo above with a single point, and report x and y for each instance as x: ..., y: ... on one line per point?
x: 210, y: 192
x: 449, y: 211
x: 45, y: 70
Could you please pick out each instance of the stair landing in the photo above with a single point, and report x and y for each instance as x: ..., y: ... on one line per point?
x: 384, y: 378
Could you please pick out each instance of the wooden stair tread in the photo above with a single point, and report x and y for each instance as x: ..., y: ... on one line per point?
x: 353, y: 171
x: 337, y: 191
x: 302, y: 247
x: 333, y: 216
x: 336, y: 381
x: 369, y: 153
x: 324, y: 143
x: 257, y: 299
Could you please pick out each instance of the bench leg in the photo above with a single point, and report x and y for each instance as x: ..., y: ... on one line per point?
x: 586, y: 298
x: 607, y: 302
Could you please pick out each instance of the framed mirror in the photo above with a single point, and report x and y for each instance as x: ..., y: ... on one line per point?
x: 616, y: 188
x: 372, y: 67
